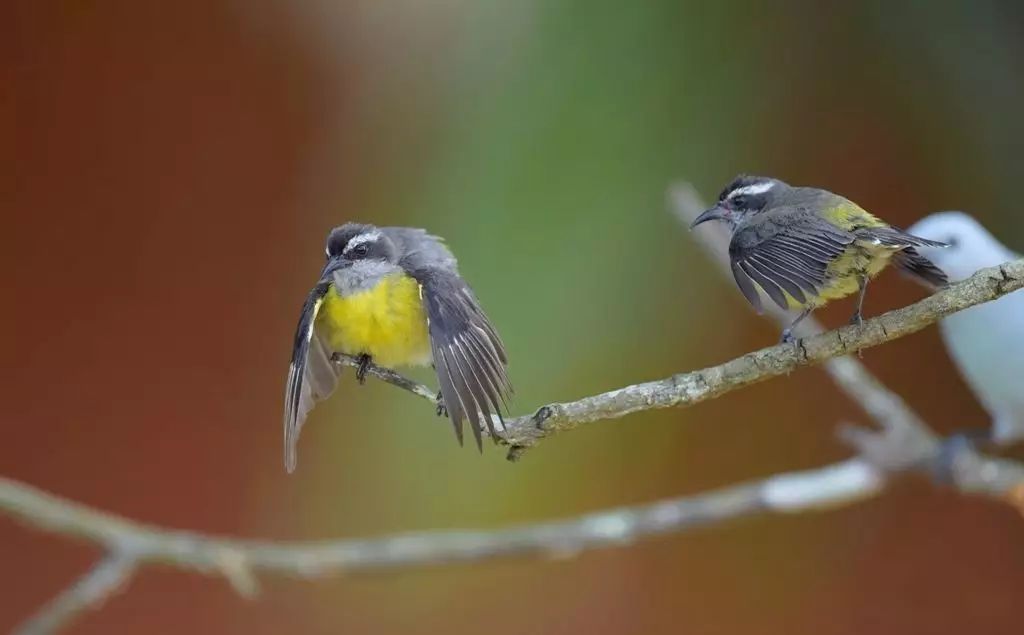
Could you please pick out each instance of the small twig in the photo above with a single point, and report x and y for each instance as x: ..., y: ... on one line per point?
x: 389, y: 376
x: 105, y: 579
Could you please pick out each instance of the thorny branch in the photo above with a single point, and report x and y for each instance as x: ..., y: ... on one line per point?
x: 905, y: 442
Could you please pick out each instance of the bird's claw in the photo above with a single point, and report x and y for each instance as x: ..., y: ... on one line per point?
x: 787, y: 337
x: 857, y: 318
x: 364, y: 365
x: 442, y: 410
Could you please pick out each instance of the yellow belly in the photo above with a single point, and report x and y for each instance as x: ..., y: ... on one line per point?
x: 387, y: 322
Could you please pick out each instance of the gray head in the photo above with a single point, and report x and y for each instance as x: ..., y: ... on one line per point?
x: 358, y: 256
x: 354, y: 242
x: 744, y: 196
x: 971, y: 246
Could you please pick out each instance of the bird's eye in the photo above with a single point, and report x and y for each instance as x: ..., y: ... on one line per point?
x: 739, y: 202
x: 360, y: 251
x: 953, y: 242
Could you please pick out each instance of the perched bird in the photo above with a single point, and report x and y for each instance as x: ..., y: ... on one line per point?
x: 394, y: 296
x: 986, y: 341
x: 804, y: 246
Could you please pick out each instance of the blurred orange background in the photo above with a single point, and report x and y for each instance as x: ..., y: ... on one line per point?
x: 169, y: 173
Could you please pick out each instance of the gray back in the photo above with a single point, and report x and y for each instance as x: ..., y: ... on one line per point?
x: 419, y: 250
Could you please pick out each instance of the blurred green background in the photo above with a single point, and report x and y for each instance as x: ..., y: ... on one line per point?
x: 170, y: 170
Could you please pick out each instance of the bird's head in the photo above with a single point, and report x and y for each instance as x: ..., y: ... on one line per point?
x: 353, y: 243
x: 746, y: 195
x: 971, y: 246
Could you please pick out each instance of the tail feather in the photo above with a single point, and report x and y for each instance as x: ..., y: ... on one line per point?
x: 893, y: 237
x: 920, y: 268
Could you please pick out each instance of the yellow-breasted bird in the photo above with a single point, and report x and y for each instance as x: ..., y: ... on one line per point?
x: 804, y: 246
x: 394, y: 296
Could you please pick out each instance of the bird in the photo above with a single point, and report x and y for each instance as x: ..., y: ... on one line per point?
x: 983, y: 341
x: 805, y: 246
x: 393, y: 296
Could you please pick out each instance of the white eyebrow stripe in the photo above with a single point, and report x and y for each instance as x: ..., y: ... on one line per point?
x: 756, y: 188
x: 368, y: 237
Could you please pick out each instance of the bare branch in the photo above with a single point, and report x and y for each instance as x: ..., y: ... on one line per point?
x: 838, y: 484
x: 694, y: 387
x: 88, y: 592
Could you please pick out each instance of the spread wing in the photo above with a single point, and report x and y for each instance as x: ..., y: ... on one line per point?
x: 469, y: 356
x: 311, y: 376
x: 785, y: 251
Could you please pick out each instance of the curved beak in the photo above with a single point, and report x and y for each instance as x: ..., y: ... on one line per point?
x: 333, y: 265
x: 715, y: 213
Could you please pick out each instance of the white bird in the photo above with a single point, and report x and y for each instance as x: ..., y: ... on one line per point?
x: 985, y: 341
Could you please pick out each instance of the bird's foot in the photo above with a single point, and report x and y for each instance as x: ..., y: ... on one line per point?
x: 953, y: 447
x: 442, y: 410
x: 364, y: 365
x: 857, y: 318
x: 787, y: 337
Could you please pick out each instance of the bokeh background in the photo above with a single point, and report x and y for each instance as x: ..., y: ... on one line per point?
x: 168, y: 172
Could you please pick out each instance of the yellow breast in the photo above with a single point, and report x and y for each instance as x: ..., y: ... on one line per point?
x: 387, y: 322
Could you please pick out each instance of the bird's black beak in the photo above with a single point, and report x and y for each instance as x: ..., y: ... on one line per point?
x: 333, y: 264
x: 715, y: 213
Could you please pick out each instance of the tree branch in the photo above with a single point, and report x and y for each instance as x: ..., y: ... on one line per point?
x: 687, y: 389
x: 88, y: 592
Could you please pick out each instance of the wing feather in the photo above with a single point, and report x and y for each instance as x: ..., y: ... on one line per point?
x: 787, y: 251
x: 747, y: 287
x: 766, y: 284
x: 312, y: 376
x: 469, y: 356
x: 895, y: 238
x: 796, y: 270
x: 780, y: 274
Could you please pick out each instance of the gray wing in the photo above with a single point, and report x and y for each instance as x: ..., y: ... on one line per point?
x: 312, y: 376
x: 784, y: 251
x: 469, y: 356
